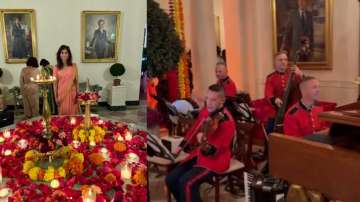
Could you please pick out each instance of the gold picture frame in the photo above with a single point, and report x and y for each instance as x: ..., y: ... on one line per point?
x: 100, y: 44
x: 19, y: 34
x: 315, y: 49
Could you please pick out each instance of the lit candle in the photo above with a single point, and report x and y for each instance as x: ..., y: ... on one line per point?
x: 31, y: 79
x: 22, y: 144
x: 54, y: 183
x: 89, y: 196
x: 37, y: 77
x: 120, y: 138
x: 4, y: 192
x: 126, y: 172
x: 92, y: 143
x: 132, y: 158
x: 72, y: 121
x: 2, y: 139
x: 7, y: 152
x: 100, y: 122
x: 75, y: 144
x: 7, y: 134
x: 104, y: 153
x: 128, y: 136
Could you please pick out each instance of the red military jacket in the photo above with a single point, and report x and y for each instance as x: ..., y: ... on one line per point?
x: 300, y: 121
x: 229, y: 87
x: 221, y: 139
x: 275, y: 86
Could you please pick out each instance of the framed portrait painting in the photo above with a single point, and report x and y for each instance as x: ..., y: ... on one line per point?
x: 303, y: 29
x: 100, y: 36
x: 19, y: 34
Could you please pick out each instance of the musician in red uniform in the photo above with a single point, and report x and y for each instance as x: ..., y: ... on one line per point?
x: 203, y: 163
x: 224, y: 80
x: 302, y: 118
x: 276, y: 82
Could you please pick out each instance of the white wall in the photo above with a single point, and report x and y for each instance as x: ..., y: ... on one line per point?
x: 59, y: 22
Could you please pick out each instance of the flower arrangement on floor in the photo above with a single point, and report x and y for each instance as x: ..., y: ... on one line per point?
x: 75, y: 166
x: 56, y: 165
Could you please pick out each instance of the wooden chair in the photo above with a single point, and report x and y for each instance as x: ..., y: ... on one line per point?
x: 241, y: 160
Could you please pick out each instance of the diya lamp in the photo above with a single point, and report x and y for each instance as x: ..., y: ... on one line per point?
x: 6, y: 134
x: 72, y: 120
x: 132, y: 158
x: 128, y: 136
x: 89, y: 195
x: 105, y: 153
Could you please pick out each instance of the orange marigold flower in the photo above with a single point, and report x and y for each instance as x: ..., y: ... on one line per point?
x: 75, y: 166
x: 120, y: 147
x: 140, y: 178
x: 41, y: 174
x: 110, y: 178
x: 96, y: 158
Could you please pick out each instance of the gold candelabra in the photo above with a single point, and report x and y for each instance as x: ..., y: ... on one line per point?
x: 87, y: 104
x: 45, y: 81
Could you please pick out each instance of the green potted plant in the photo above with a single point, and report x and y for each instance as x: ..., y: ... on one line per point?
x: 117, y: 70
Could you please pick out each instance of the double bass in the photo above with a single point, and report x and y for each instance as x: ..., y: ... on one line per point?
x: 279, y: 118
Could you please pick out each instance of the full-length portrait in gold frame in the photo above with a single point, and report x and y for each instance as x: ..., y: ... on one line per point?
x: 100, y: 35
x: 304, y: 29
x: 19, y: 34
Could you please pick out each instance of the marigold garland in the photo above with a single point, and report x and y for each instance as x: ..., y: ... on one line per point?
x: 176, y: 9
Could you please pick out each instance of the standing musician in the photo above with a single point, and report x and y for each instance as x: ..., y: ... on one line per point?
x: 276, y: 82
x: 302, y: 118
x: 214, y: 153
x: 224, y: 80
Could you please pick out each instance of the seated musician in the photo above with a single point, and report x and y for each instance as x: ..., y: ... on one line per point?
x: 302, y: 118
x: 276, y: 82
x: 212, y: 156
x: 224, y: 80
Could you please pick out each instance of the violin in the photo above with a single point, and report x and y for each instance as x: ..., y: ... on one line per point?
x: 208, y: 126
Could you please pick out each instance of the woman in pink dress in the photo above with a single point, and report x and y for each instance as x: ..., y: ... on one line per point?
x: 66, y: 85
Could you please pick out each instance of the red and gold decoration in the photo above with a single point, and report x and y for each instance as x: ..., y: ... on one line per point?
x: 61, y: 168
x: 176, y: 11
x: 87, y: 99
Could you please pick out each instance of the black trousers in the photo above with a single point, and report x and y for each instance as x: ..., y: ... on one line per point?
x: 184, y: 181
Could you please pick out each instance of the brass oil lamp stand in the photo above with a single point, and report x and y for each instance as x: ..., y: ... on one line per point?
x: 45, y: 81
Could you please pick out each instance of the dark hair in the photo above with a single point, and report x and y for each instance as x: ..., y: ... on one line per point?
x: 101, y: 20
x: 217, y: 88
x: 44, y: 62
x: 60, y: 64
x: 32, y: 62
